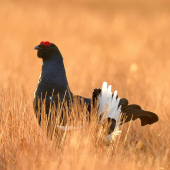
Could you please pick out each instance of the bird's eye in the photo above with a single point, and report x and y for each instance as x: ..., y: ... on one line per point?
x: 47, y: 46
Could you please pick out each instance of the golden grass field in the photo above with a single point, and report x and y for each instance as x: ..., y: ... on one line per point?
x: 126, y: 43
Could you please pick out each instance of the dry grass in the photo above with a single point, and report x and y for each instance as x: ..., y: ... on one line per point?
x: 125, y: 43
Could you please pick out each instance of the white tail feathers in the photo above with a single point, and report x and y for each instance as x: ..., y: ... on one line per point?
x: 69, y: 127
x: 108, y: 103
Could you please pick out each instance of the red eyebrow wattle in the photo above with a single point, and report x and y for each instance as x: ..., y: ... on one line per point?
x: 46, y: 43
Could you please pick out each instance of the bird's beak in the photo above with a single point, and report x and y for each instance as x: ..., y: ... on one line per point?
x: 37, y: 47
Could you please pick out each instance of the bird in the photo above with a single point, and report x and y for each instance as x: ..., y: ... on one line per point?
x: 53, y: 87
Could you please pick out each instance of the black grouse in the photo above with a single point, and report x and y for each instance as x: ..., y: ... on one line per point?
x: 53, y: 82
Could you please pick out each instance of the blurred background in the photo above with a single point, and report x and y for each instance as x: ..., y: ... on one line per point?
x: 125, y: 43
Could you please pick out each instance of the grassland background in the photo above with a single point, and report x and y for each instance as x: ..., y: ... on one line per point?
x: 126, y: 43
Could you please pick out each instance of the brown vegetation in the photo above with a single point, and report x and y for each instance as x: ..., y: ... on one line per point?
x: 125, y: 43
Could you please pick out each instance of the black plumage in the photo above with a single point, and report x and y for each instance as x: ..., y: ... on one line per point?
x: 53, y: 81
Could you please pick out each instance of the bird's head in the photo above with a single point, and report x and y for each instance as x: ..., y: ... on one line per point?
x: 46, y: 50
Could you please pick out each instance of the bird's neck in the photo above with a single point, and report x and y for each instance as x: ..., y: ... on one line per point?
x: 52, y: 79
x: 54, y: 73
